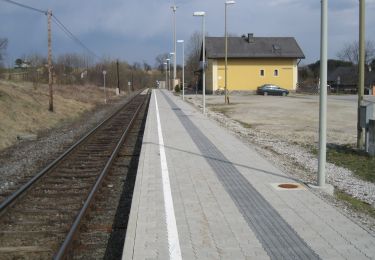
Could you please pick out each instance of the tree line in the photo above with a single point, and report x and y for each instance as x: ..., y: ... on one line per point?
x: 75, y: 68
x: 79, y: 69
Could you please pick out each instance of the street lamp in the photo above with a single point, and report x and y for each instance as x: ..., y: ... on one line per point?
x: 226, y: 52
x: 174, y: 9
x: 323, y: 95
x: 361, y: 69
x: 203, y: 14
x: 169, y: 72
x: 105, y: 94
x: 166, y: 71
x: 183, y: 68
x: 174, y: 78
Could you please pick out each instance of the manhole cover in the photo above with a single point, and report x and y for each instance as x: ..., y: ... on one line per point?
x: 288, y: 186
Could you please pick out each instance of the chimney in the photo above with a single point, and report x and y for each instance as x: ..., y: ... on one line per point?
x: 250, y: 37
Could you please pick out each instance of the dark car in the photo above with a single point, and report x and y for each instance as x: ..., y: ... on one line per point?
x: 269, y: 89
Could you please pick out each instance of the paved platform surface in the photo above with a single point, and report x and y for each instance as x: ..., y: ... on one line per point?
x: 202, y: 194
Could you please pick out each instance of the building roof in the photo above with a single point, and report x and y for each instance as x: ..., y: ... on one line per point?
x: 349, y: 76
x: 254, y: 47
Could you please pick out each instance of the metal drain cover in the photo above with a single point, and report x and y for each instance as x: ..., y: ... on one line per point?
x: 288, y: 186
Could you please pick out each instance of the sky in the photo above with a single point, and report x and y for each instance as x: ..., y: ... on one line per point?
x: 139, y: 30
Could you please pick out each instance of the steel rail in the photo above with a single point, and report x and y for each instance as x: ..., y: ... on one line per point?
x: 63, y: 250
x: 9, y: 200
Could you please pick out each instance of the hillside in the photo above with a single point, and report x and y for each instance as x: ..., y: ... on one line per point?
x: 24, y: 107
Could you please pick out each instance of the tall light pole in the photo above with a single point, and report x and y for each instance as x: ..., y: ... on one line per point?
x: 361, y: 69
x: 169, y: 72
x: 226, y: 52
x: 174, y: 8
x: 105, y: 94
x: 183, y: 68
x: 172, y: 55
x: 166, y: 73
x: 203, y: 14
x: 323, y: 95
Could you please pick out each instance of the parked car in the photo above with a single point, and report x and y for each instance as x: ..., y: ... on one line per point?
x: 269, y: 89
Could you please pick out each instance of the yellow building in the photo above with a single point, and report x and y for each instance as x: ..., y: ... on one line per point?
x: 252, y: 62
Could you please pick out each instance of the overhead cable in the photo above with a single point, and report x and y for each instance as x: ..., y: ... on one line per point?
x: 26, y: 6
x: 57, y: 22
x: 72, y: 36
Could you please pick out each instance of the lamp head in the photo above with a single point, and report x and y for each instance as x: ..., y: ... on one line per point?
x: 180, y: 41
x: 199, y: 13
x: 230, y: 2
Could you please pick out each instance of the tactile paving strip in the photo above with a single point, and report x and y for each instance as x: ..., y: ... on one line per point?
x: 278, y: 238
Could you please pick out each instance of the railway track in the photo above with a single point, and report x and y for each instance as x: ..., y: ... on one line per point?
x: 47, y: 217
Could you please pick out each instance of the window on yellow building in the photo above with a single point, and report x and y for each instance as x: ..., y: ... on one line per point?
x: 276, y: 73
x: 262, y: 73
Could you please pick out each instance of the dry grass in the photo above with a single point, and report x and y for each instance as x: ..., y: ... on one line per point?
x: 24, y: 108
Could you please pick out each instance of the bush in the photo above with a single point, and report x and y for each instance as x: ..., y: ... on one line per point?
x: 177, y: 88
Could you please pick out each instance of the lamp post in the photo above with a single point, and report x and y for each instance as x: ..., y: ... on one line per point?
x: 203, y: 14
x: 361, y: 69
x: 323, y: 95
x: 105, y: 94
x: 226, y: 52
x: 183, y: 68
x: 172, y: 54
x: 166, y: 71
x: 169, y: 72
x: 174, y: 9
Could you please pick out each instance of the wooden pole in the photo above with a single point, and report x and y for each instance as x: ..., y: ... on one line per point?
x: 50, y: 80
x: 118, y: 77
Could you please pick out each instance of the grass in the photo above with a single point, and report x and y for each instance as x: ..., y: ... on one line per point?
x: 221, y: 109
x: 361, y: 164
x: 358, y: 162
x: 24, y: 109
x: 355, y: 204
x: 244, y: 124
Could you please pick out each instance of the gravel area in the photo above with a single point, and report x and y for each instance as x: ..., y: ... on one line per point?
x: 23, y: 160
x: 299, y: 163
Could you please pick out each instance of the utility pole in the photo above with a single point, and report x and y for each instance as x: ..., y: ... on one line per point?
x: 50, y: 80
x: 361, y: 69
x: 323, y: 95
x: 118, y: 76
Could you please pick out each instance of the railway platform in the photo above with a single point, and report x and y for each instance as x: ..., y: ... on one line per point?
x: 201, y: 193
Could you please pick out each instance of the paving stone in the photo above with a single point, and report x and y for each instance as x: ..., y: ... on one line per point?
x: 224, y: 203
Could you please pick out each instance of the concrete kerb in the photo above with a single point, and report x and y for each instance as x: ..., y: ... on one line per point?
x: 327, y: 188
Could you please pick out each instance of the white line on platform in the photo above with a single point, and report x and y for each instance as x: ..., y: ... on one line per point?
x: 173, y: 240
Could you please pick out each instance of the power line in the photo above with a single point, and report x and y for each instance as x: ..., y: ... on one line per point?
x: 58, y: 23
x: 26, y: 6
x: 72, y: 36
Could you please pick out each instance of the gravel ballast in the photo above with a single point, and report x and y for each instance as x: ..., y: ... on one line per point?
x: 23, y: 160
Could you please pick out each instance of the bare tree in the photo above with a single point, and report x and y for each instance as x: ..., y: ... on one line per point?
x: 3, y: 47
x: 193, y: 55
x: 159, y: 61
x: 146, y: 67
x: 350, y: 52
x: 36, y: 60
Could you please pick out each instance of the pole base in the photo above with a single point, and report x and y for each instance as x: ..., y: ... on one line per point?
x: 327, y: 188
